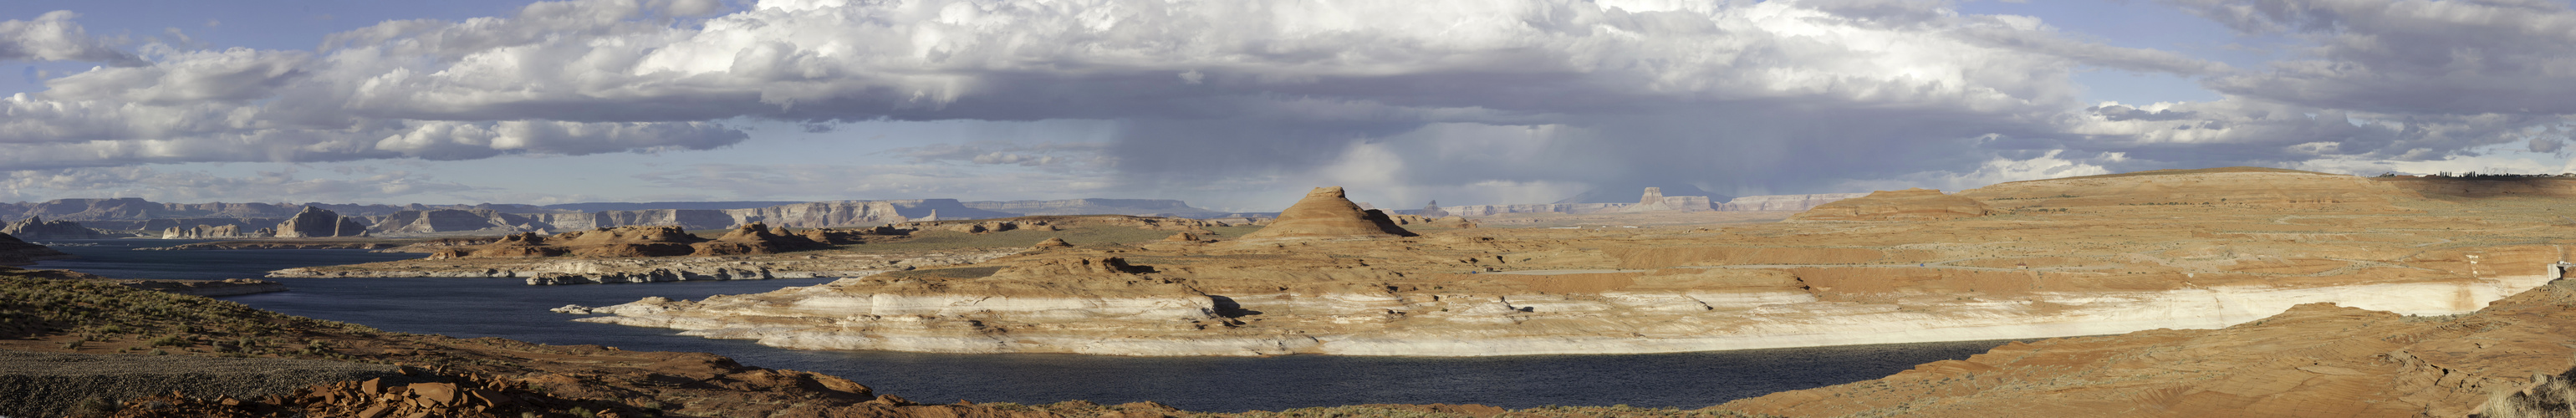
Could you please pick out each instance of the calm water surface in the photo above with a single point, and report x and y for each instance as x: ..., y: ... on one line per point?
x: 507, y: 308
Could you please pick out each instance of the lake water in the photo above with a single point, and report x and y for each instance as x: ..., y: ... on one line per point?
x: 509, y: 309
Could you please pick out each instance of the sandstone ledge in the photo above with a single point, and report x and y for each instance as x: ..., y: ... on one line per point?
x: 1171, y: 320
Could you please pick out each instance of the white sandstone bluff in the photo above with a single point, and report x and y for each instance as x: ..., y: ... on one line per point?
x: 572, y: 270
x: 1668, y: 310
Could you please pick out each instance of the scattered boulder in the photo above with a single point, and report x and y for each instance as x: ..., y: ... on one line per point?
x: 1054, y: 243
x: 1325, y: 213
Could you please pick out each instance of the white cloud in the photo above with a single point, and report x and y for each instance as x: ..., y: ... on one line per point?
x: 1410, y: 97
x: 1993, y: 171
x: 53, y: 37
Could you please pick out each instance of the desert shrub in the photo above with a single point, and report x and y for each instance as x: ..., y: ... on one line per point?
x: 170, y: 341
x: 2549, y: 397
x: 34, y: 306
x: 92, y: 407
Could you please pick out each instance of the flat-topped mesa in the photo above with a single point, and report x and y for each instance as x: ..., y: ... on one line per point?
x: 1655, y: 200
x: 1888, y: 205
x: 315, y: 222
x: 1325, y: 214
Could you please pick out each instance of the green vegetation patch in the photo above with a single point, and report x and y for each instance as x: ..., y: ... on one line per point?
x: 34, y: 307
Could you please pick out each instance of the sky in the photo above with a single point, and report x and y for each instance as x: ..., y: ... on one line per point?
x: 1244, y: 104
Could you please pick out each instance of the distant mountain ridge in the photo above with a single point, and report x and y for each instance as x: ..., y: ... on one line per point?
x: 130, y: 214
x: 721, y: 205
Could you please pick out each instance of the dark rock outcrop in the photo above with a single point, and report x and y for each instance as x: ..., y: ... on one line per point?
x: 316, y: 222
x: 14, y: 252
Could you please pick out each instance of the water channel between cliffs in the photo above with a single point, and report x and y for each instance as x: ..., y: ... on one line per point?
x: 486, y: 307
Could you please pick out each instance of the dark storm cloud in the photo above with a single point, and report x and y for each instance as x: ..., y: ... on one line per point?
x: 2411, y: 56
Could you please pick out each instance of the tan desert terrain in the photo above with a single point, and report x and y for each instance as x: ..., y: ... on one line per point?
x: 2052, y: 258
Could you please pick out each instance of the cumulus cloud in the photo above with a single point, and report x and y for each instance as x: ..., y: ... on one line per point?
x: 1999, y: 170
x: 1508, y: 97
x: 53, y: 37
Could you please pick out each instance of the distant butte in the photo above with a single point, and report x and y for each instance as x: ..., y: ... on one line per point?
x: 1325, y: 214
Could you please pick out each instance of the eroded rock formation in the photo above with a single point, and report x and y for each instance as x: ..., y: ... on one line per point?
x: 637, y: 241
x: 755, y: 238
x: 1050, y: 223
x: 1654, y: 200
x: 456, y: 220
x: 2053, y: 271
x: 1325, y: 214
x: 315, y: 222
x: 39, y: 228
x: 214, y: 232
